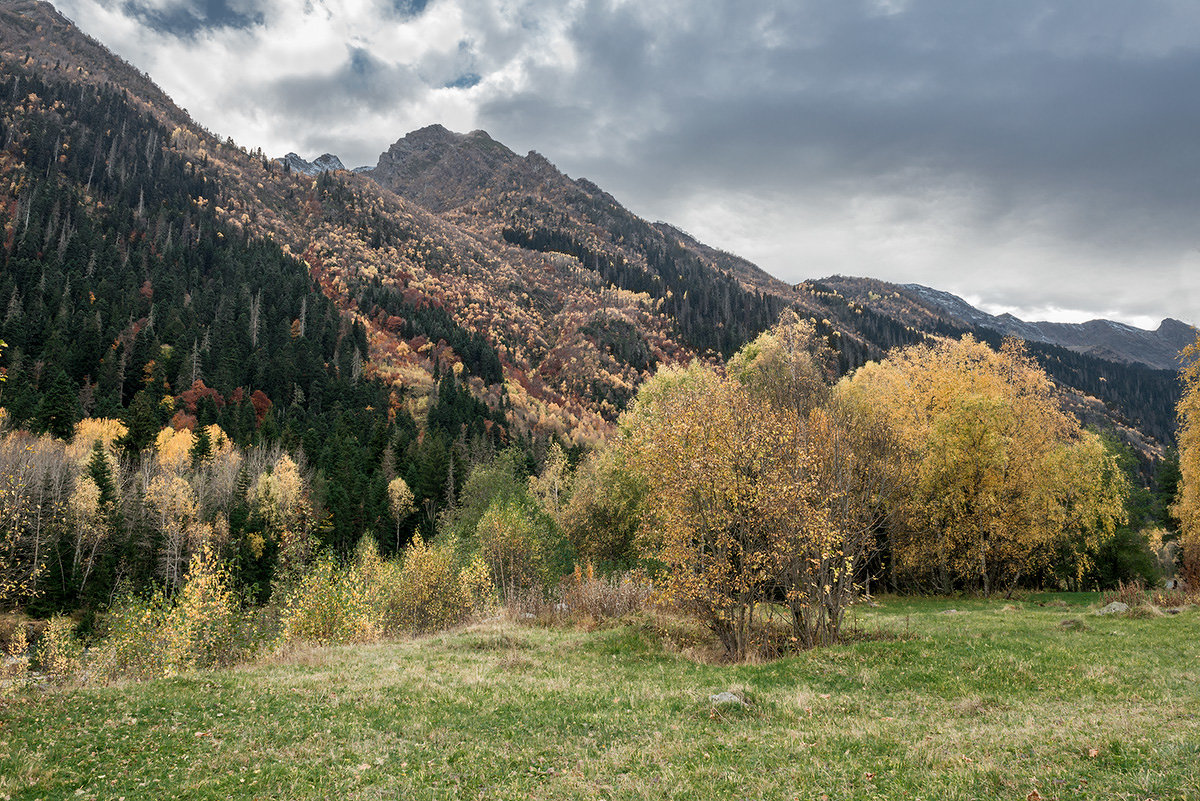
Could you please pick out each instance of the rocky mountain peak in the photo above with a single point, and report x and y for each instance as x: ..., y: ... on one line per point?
x: 441, y: 169
x: 326, y: 162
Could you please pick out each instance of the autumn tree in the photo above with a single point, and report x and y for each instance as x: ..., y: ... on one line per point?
x: 789, y: 366
x: 984, y: 445
x: 400, y: 500
x: 513, y: 547
x: 1187, y: 504
x: 171, y: 509
x: 603, y: 508
x: 280, y: 498
x: 842, y: 462
x: 719, y: 469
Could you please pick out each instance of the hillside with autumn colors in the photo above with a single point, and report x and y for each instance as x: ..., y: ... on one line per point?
x: 547, y: 301
x: 557, y: 332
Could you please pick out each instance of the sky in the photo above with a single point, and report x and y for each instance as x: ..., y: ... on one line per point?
x: 1035, y: 157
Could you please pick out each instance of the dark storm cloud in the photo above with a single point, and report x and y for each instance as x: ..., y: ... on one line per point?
x: 1074, y: 121
x: 872, y: 97
x: 359, y: 83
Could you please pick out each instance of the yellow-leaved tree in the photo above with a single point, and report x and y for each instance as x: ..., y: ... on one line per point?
x: 281, y: 499
x: 994, y: 472
x: 400, y: 500
x: 720, y: 469
x: 171, y: 511
x: 841, y: 466
x: 1187, y: 503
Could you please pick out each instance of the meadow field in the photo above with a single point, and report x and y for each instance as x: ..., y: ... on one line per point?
x: 1035, y: 698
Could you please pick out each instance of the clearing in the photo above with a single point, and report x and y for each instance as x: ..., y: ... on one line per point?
x: 1036, y: 699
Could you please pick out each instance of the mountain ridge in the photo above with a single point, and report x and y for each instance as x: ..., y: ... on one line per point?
x: 1107, y: 339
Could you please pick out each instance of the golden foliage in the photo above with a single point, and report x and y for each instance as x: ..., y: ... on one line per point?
x: 328, y: 606
x: 280, y: 497
x: 91, y: 430
x: 994, y: 471
x: 431, y: 594
x: 1187, y: 504
x: 172, y: 449
x: 724, y: 488
x: 59, y: 652
x: 172, y: 511
x: 201, y: 628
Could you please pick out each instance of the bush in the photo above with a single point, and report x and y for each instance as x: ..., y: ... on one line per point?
x: 477, y: 588
x: 327, y: 606
x: 15, y: 662
x: 419, y: 594
x: 202, y: 627
x: 374, y: 597
x: 132, y: 643
x: 510, y: 545
x: 605, y: 597
x: 1131, y: 593
x: 433, y: 590
x: 59, y: 652
x: 151, y: 635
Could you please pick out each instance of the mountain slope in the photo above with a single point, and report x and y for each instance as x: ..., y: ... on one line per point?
x: 554, y: 304
x: 717, y: 301
x: 548, y: 300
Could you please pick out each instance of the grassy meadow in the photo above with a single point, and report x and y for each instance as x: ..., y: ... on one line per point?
x: 935, y: 699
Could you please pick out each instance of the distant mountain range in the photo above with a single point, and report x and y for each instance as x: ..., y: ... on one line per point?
x: 1104, y: 339
x: 549, y: 300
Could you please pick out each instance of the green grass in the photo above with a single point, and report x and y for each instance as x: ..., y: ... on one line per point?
x: 996, y: 700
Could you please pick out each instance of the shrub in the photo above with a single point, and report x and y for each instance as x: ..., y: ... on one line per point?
x: 1168, y: 599
x: 132, y: 643
x: 202, y: 627
x: 59, y: 652
x: 605, y: 597
x: 477, y: 588
x: 327, y: 606
x: 510, y: 546
x: 1131, y: 593
x: 604, y: 510
x: 420, y: 593
x: 431, y: 592
x: 14, y: 665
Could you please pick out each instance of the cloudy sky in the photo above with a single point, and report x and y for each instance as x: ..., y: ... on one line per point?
x: 1032, y: 156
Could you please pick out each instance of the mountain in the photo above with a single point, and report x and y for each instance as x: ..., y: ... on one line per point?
x: 323, y: 163
x: 546, y: 299
x: 1105, y: 339
x: 717, y: 301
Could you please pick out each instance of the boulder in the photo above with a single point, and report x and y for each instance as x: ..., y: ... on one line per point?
x: 1115, y: 608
